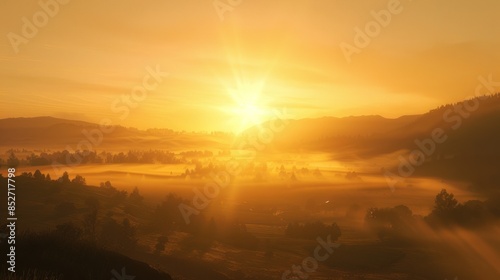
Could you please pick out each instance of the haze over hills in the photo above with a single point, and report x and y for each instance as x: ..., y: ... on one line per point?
x: 471, y: 133
x: 372, y: 135
x: 456, y: 142
x: 56, y: 133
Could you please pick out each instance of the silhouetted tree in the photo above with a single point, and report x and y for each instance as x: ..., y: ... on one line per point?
x: 445, y: 209
x: 445, y: 202
x: 38, y: 175
x: 167, y: 215
x: 106, y: 185
x: 129, y: 232
x: 135, y: 195
x: 117, y: 235
x: 79, y: 180
x: 12, y: 161
x: 64, y: 179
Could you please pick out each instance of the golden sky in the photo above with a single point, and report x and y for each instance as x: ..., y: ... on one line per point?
x: 263, y: 55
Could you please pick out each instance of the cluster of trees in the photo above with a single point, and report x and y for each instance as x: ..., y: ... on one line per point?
x: 115, y: 234
x: 89, y: 157
x: 64, y: 254
x: 151, y: 156
x: 353, y: 176
x: 390, y: 224
x: 39, y: 176
x: 473, y: 213
x: 203, y: 231
x: 107, y: 232
x: 236, y: 234
x: 284, y: 174
x: 201, y: 171
x: 483, y: 99
x: 79, y: 180
x: 312, y: 230
x: 64, y: 180
x: 41, y: 180
x: 196, y: 154
x: 116, y: 194
x: 259, y: 171
x: 166, y: 216
x: 398, y: 223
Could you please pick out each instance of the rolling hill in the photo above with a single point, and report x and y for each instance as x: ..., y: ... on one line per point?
x: 61, y: 134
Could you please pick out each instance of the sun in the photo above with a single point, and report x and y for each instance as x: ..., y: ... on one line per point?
x: 247, y: 107
x: 247, y: 87
x: 251, y: 112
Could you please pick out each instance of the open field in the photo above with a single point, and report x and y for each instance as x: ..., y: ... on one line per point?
x: 265, y: 207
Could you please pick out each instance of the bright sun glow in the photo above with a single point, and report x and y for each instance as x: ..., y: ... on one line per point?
x: 250, y: 98
x: 248, y: 108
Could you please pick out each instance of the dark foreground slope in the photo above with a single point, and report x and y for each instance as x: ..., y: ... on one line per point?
x: 52, y: 256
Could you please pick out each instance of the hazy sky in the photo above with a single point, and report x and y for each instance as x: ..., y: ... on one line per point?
x: 90, y: 55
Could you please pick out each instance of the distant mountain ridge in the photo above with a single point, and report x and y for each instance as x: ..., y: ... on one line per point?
x: 360, y: 135
x: 469, y: 150
x: 56, y: 133
x: 372, y: 135
x: 38, y: 122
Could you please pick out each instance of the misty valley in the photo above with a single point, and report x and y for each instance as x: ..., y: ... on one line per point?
x: 250, y: 140
x: 267, y: 211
